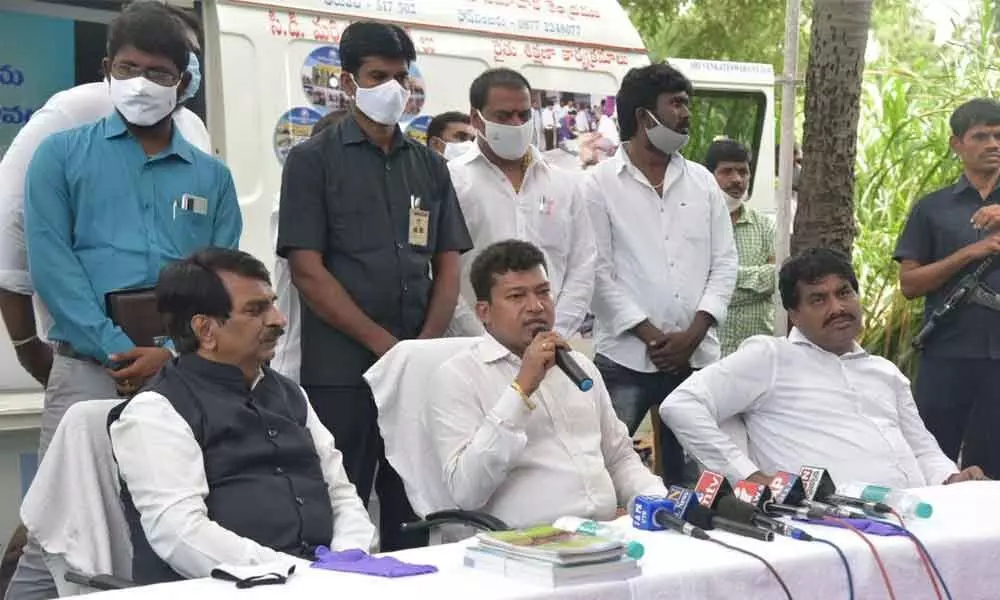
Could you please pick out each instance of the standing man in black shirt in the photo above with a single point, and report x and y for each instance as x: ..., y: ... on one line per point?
x: 949, y: 234
x: 366, y: 215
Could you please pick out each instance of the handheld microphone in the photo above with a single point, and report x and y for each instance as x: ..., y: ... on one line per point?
x: 710, y: 487
x: 802, y: 512
x: 752, y: 493
x: 573, y: 370
x: 686, y: 507
x: 872, y: 508
x: 819, y: 486
x: 786, y: 488
x: 732, y: 505
x: 656, y: 514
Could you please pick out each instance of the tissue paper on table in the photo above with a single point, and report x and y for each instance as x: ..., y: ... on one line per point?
x: 359, y: 561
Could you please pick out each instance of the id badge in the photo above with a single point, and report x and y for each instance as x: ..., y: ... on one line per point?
x: 420, y: 221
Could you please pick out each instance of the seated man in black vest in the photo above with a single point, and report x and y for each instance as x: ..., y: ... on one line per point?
x: 222, y: 459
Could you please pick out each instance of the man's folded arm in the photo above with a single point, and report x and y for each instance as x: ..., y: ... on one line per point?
x: 727, y: 388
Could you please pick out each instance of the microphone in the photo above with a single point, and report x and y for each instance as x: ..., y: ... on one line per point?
x: 802, y: 512
x: 573, y: 370
x: 656, y: 514
x: 686, y: 507
x: 872, y: 508
x: 752, y: 493
x: 819, y: 486
x: 749, y: 513
x: 710, y: 487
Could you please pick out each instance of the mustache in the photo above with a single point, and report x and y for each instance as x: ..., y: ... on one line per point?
x: 839, y: 316
x: 274, y: 333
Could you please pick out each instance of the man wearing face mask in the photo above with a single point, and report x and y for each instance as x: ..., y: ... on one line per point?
x: 751, y: 310
x: 667, y: 263
x: 67, y: 109
x: 508, y: 190
x: 450, y: 134
x: 106, y: 206
x: 366, y: 214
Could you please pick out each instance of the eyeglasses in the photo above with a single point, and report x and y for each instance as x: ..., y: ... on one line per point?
x: 158, y: 76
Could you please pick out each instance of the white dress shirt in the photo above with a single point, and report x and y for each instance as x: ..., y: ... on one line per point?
x: 547, y: 212
x: 608, y: 130
x: 288, y: 353
x: 549, y: 118
x: 659, y: 257
x: 852, y: 414
x: 170, y: 498
x: 569, y: 456
x: 71, y: 108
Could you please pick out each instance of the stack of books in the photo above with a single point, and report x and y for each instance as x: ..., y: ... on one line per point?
x: 551, y: 557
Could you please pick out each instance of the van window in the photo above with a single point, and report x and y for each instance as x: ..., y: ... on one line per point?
x: 726, y: 114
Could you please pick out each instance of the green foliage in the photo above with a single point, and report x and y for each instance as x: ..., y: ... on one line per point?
x: 909, y: 92
x: 903, y: 155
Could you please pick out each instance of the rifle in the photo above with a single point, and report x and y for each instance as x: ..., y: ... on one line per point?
x: 964, y: 291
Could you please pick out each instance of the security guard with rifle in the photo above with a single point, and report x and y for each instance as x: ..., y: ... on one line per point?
x: 947, y: 254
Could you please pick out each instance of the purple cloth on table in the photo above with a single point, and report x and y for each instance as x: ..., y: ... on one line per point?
x: 359, y: 561
x: 865, y: 525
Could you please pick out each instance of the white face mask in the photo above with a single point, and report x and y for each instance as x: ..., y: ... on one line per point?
x: 383, y: 103
x: 733, y: 204
x: 453, y: 150
x: 665, y: 139
x: 509, y: 142
x: 142, y: 102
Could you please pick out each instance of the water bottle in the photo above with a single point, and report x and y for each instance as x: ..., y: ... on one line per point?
x: 906, y: 504
x: 633, y: 549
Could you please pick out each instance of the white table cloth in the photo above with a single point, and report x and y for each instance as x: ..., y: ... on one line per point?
x: 963, y: 537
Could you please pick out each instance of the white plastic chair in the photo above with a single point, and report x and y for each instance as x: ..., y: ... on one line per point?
x: 399, y: 385
x: 73, y: 508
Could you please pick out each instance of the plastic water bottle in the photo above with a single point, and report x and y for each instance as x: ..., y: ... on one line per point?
x: 906, y: 504
x: 633, y: 549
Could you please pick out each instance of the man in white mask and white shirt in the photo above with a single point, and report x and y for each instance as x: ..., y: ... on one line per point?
x: 666, y: 263
x: 508, y: 190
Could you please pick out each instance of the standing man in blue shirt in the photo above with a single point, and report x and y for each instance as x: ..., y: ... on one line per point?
x: 107, y: 205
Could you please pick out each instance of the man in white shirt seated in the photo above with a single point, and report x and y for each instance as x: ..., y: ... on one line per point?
x: 813, y: 398
x: 222, y: 459
x: 508, y: 189
x: 515, y: 437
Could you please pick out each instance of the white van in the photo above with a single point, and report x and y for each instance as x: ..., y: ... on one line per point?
x: 270, y: 71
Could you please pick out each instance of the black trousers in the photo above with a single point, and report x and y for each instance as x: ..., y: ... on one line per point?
x: 959, y: 401
x: 349, y: 413
x: 632, y: 395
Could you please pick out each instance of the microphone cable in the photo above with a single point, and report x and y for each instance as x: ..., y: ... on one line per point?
x: 843, y: 559
x: 874, y: 551
x: 925, y: 557
x: 769, y: 566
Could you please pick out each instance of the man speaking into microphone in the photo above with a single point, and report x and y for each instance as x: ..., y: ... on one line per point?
x: 516, y: 434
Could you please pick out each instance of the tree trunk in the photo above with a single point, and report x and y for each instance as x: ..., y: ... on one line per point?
x: 825, y: 213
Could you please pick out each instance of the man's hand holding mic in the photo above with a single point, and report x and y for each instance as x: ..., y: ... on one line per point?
x: 538, y: 358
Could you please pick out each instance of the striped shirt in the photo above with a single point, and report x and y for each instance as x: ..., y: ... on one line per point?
x: 751, y: 310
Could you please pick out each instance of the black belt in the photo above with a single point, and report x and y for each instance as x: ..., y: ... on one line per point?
x: 64, y: 349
